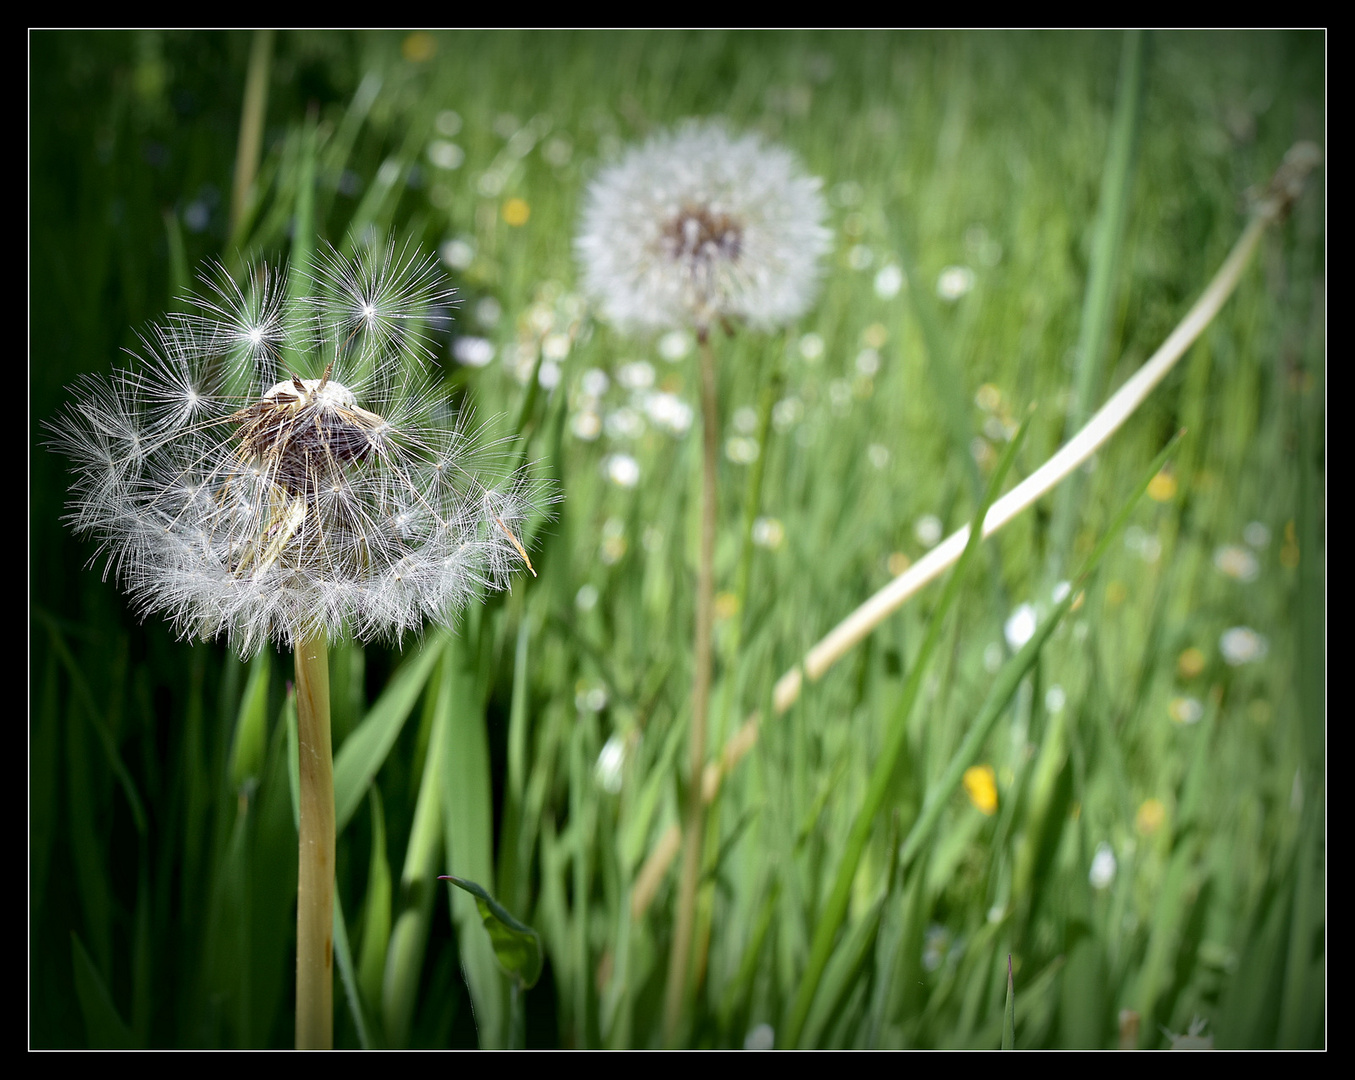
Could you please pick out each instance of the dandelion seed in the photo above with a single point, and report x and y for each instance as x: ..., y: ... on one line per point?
x: 243, y: 499
x: 586, y: 599
x: 698, y: 225
x: 1256, y: 535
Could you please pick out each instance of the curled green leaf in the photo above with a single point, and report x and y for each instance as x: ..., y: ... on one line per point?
x: 516, y: 945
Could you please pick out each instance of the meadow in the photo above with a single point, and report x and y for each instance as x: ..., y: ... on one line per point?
x: 1116, y: 786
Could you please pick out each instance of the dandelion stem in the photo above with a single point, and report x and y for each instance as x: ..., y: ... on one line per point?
x: 680, y: 958
x: 315, y: 882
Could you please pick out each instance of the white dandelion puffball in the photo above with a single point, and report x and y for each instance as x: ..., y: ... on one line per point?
x: 698, y: 225
x: 267, y: 469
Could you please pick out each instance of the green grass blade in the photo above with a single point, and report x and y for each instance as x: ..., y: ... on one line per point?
x: 1094, y: 330
x: 250, y: 742
x: 104, y: 1028
x: 376, y: 922
x: 1009, y: 1012
x: 409, y: 934
x: 835, y: 908
x: 343, y: 958
x: 468, y: 828
x: 364, y: 752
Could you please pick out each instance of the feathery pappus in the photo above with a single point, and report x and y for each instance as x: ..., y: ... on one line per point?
x: 268, y: 468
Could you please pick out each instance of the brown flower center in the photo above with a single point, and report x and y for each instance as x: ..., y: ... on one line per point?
x: 700, y: 235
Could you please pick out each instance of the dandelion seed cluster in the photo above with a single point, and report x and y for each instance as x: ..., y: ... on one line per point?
x: 274, y: 469
x: 698, y: 225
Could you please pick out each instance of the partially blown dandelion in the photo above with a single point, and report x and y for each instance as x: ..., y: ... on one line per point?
x: 272, y: 470
x: 287, y: 470
x: 698, y: 225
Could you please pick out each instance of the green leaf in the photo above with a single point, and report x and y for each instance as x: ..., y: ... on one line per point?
x: 517, y: 946
x: 343, y: 957
x: 103, y: 1026
x: 250, y: 744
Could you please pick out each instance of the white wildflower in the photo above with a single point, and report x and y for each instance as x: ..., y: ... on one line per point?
x: 1103, y: 868
x: 1242, y: 645
x: 928, y: 530
x: 1020, y: 626
x: 1236, y: 562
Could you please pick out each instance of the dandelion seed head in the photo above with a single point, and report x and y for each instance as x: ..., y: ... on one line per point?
x: 240, y: 500
x: 699, y: 225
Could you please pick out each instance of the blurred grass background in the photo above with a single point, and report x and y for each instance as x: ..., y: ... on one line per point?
x: 1148, y: 836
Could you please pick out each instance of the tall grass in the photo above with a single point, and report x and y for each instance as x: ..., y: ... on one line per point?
x: 538, y: 750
